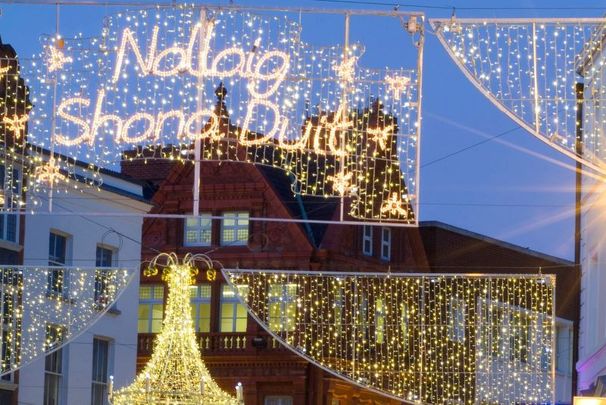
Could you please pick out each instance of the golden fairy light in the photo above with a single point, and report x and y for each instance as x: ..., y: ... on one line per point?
x: 530, y: 68
x: 395, y: 206
x: 417, y: 338
x: 16, y: 123
x: 397, y: 85
x: 57, y: 59
x: 346, y: 69
x: 49, y: 173
x: 381, y: 135
x: 4, y: 71
x: 38, y: 298
x: 99, y: 96
x: 175, y: 373
x: 341, y: 182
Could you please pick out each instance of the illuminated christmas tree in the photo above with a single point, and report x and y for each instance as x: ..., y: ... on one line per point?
x: 175, y: 374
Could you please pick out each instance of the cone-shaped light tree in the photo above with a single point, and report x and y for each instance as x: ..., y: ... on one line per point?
x: 175, y: 374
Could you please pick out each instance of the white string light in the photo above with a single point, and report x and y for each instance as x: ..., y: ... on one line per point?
x: 529, y: 68
x: 66, y: 299
x: 147, y: 84
x: 417, y: 338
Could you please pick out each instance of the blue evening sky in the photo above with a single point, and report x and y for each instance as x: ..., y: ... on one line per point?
x: 507, y: 188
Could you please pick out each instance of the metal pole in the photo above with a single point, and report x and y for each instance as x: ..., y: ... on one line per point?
x: 51, y: 159
x: 198, y: 142
x: 416, y: 193
x: 345, y: 116
x: 537, y: 124
x: 165, y: 4
x: 580, y: 93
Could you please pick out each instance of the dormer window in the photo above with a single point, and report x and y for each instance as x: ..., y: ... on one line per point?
x: 198, y: 230
x: 234, y: 228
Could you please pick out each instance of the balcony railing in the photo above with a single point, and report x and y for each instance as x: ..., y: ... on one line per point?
x: 219, y: 343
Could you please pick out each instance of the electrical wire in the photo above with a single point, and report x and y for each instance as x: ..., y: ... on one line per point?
x: 445, y: 7
x: 469, y: 147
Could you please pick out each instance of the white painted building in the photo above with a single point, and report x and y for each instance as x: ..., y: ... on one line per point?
x: 77, y: 374
x: 591, y: 365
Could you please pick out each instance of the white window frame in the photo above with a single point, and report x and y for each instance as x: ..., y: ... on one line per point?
x: 150, y: 302
x: 367, y: 232
x: 204, y: 223
x: 563, y: 355
x: 385, y: 243
x: 59, y: 272
x: 456, y: 320
x: 405, y: 321
x: 379, y: 320
x: 283, y: 300
x: 57, y: 354
x: 102, y: 384
x: 196, y: 300
x: 506, y: 341
x: 101, y: 273
x: 237, y: 217
x: 232, y: 300
x: 10, y: 202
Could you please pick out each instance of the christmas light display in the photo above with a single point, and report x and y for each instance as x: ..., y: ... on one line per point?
x: 529, y: 68
x: 419, y: 338
x: 175, y: 373
x: 147, y: 83
x: 65, y: 299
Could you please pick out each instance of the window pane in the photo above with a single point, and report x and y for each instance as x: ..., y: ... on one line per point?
x: 144, y: 311
x: 104, y: 257
x: 145, y: 292
x: 192, y: 222
x: 204, y: 321
x: 204, y: 310
x: 205, y: 291
x: 227, y: 325
x: 227, y: 291
x: 240, y: 325
x: 157, y: 310
x: 52, y: 389
x: 228, y: 235
x: 156, y: 326
x: 198, y: 231
x: 143, y: 326
x: 241, y: 311
x: 159, y: 292
x: 227, y: 310
x: 11, y: 227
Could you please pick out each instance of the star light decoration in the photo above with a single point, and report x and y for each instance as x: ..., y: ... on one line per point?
x: 381, y: 135
x: 57, y: 59
x: 396, y: 205
x: 416, y: 338
x: 346, y: 70
x: 341, y: 182
x: 530, y: 69
x: 175, y: 373
x: 49, y: 173
x: 39, y: 299
x: 140, y: 88
x: 16, y: 124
